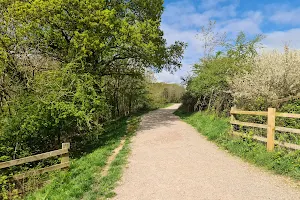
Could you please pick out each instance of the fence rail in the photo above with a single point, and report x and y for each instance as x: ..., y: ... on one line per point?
x: 63, y: 152
x: 270, y: 126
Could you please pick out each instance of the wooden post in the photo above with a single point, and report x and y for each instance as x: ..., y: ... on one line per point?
x: 271, y: 129
x: 232, y: 115
x: 65, y: 157
x: 232, y: 118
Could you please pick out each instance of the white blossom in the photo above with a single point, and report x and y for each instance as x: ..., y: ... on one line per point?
x: 273, y: 76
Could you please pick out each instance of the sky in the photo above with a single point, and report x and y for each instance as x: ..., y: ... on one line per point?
x: 277, y: 20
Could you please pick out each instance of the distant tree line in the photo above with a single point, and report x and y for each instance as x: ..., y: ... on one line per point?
x: 162, y: 93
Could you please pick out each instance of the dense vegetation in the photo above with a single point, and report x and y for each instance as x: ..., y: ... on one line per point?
x: 84, y: 179
x: 68, y: 68
x: 223, y: 59
x: 237, y: 71
x: 162, y: 93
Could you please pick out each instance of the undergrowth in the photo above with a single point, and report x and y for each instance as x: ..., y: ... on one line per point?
x: 84, y: 176
x: 216, y: 129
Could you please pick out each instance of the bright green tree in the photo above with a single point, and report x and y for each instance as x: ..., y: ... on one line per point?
x: 95, y: 54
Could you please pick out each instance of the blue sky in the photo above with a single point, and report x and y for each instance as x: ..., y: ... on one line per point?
x: 278, y: 20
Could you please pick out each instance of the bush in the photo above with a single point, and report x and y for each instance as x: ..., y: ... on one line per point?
x: 63, y: 110
x: 210, y: 84
x: 273, y: 76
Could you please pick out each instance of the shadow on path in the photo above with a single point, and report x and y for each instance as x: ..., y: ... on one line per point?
x: 158, y: 118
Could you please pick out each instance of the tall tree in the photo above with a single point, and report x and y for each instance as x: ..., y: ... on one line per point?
x: 94, y: 35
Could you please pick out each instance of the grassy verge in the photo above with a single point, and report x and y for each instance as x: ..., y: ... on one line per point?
x: 84, y: 180
x: 104, y: 186
x: 216, y: 129
x: 161, y: 105
x: 167, y: 105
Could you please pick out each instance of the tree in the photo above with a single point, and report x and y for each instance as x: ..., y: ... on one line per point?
x: 69, y: 66
x: 273, y: 76
x: 211, y: 39
x: 95, y: 35
x: 212, y: 75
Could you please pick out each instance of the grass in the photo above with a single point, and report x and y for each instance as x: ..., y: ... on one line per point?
x: 216, y: 129
x: 83, y: 180
x: 161, y: 105
x: 167, y: 105
x: 104, y: 186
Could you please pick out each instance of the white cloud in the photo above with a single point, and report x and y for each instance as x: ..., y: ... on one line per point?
x: 211, y: 3
x: 249, y: 24
x: 283, y: 13
x: 167, y: 77
x: 277, y: 39
x: 189, y: 36
x: 245, y: 25
x: 182, y: 21
x: 286, y: 16
x: 185, y: 15
x: 223, y: 12
x: 192, y: 53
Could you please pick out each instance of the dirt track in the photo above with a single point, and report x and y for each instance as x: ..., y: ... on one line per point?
x: 170, y: 160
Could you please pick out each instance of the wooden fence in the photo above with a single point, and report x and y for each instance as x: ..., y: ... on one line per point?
x: 64, y: 152
x: 270, y: 126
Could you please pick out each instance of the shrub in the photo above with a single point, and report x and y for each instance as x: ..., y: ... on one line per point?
x: 61, y: 110
x: 273, y: 76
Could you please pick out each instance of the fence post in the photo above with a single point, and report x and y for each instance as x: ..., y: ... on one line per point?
x: 65, y: 157
x: 232, y: 118
x: 271, y: 129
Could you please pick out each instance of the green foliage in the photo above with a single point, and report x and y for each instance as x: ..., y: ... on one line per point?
x: 61, y: 109
x: 69, y: 67
x: 161, y: 94
x: 281, y: 161
x: 291, y: 106
x: 84, y: 177
x: 188, y: 102
x: 243, y: 48
x: 212, y: 76
x: 96, y: 34
x: 126, y: 94
x: 107, y: 184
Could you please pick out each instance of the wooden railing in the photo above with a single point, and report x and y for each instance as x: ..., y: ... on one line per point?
x: 64, y: 152
x: 270, y: 126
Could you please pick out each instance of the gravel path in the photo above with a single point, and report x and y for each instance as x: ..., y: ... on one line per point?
x: 170, y: 160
